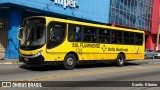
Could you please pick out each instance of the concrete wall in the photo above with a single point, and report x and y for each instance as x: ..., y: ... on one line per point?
x: 14, y: 24
x: 155, y: 18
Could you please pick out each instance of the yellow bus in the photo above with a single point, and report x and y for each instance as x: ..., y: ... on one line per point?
x: 49, y: 40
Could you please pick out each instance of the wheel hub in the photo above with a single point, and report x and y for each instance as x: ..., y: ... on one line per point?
x: 120, y: 60
x: 70, y: 61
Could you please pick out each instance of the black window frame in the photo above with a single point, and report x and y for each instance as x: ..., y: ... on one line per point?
x: 89, y: 37
x: 116, y: 39
x: 52, y: 44
x: 120, y: 36
x: 139, y: 39
x: 128, y: 40
x: 72, y: 35
x: 104, y: 37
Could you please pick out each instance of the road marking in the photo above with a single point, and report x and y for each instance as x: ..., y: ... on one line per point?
x: 85, y: 73
x: 137, y: 66
x: 154, y: 62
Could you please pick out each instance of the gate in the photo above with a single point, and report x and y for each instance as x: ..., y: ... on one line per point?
x: 4, y: 24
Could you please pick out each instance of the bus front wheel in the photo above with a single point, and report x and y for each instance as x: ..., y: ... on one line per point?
x: 69, y: 62
x: 120, y: 60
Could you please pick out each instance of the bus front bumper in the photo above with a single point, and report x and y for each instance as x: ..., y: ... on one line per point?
x: 39, y: 60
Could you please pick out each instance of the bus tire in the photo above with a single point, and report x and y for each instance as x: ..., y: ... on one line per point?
x: 120, y: 61
x: 69, y: 62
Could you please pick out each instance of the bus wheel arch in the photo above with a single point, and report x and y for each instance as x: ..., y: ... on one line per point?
x: 121, y: 59
x: 70, y: 61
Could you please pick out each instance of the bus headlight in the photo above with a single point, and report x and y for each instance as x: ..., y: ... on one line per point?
x: 38, y: 54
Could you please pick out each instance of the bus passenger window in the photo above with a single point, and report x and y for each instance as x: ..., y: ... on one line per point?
x: 71, y: 37
x: 128, y: 38
x: 74, y: 32
x: 117, y: 37
x: 78, y: 37
x: 104, y: 35
x: 138, y: 38
x: 89, y: 34
x: 87, y: 38
x: 58, y: 34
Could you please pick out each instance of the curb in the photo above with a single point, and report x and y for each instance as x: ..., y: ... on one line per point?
x: 7, y: 63
x: 3, y: 61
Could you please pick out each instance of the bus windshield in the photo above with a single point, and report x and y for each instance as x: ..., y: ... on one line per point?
x: 33, y: 33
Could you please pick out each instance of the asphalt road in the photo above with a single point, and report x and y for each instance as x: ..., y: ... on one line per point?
x: 86, y: 77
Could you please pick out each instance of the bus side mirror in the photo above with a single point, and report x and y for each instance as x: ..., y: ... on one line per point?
x: 20, y: 28
x: 18, y: 34
x: 52, y: 34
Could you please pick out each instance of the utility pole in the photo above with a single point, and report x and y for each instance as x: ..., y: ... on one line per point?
x: 157, y: 43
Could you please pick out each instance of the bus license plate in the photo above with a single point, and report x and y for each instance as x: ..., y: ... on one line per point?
x: 26, y: 59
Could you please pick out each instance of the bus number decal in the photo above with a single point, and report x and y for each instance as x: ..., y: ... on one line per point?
x: 79, y: 50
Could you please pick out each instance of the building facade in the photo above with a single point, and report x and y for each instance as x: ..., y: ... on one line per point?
x: 136, y: 14
x: 151, y: 36
x: 14, y: 11
x: 132, y: 13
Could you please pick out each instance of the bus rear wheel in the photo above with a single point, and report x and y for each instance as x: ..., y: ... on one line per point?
x: 69, y: 62
x: 120, y: 60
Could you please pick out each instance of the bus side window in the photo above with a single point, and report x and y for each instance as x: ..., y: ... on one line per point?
x: 104, y: 36
x: 71, y: 37
x: 58, y: 34
x: 89, y: 34
x: 117, y: 37
x: 138, y: 38
x: 74, y: 32
x: 128, y: 38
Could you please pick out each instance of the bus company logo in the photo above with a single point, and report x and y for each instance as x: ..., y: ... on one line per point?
x: 6, y: 84
x: 104, y: 48
x: 66, y: 3
x: 136, y: 50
